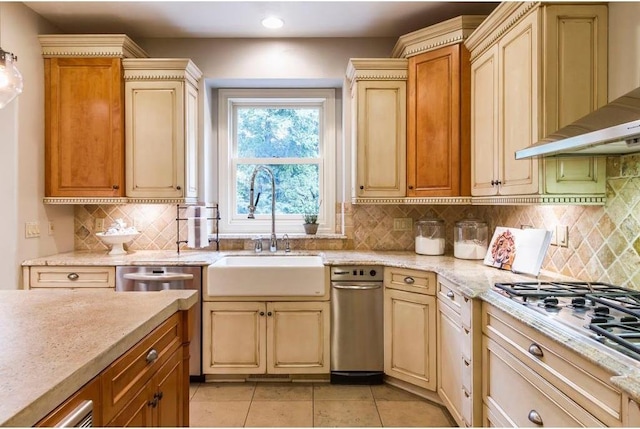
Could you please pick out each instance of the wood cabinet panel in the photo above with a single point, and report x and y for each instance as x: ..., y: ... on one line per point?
x: 449, y: 346
x: 71, y: 277
x: 438, y: 96
x: 410, y: 337
x: 84, y: 127
x: 421, y: 282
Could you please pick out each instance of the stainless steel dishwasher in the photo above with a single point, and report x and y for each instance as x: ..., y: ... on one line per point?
x: 156, y: 278
x: 357, y: 344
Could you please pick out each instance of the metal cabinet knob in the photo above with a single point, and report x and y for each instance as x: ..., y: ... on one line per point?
x: 269, y: 314
x: 450, y: 295
x: 116, y: 186
x: 262, y: 313
x: 178, y: 188
x: 410, y: 186
x: 535, y: 350
x: 535, y: 418
x: 361, y: 187
x: 73, y: 276
x: 153, y: 403
x: 409, y: 280
x: 158, y: 396
x: 152, y: 356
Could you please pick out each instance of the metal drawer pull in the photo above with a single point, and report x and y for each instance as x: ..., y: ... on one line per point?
x: 450, y: 295
x: 73, y: 276
x: 466, y: 394
x: 535, y: 350
x: 466, y: 362
x: 152, y: 356
x: 535, y: 418
x: 409, y: 280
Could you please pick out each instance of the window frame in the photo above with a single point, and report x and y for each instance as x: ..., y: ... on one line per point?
x: 228, y: 99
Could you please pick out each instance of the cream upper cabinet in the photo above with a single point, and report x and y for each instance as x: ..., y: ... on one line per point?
x: 161, y: 128
x: 271, y: 337
x: 535, y: 67
x: 410, y: 329
x: 377, y: 121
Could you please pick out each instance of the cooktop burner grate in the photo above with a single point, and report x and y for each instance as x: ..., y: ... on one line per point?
x: 626, y: 334
x: 557, y: 289
x: 628, y: 301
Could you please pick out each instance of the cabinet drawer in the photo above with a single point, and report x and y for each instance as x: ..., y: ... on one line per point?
x: 127, y: 375
x: 448, y: 294
x: 466, y: 406
x: 467, y: 372
x: 72, y: 277
x: 584, y: 382
x: 422, y: 282
x: 517, y: 392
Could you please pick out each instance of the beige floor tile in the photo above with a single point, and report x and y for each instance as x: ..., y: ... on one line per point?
x: 218, y: 413
x: 412, y: 414
x: 337, y: 392
x: 192, y: 389
x: 386, y: 392
x: 345, y: 414
x: 224, y: 392
x: 283, y: 392
x: 280, y: 414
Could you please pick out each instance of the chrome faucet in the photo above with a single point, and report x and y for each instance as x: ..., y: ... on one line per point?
x: 273, y: 243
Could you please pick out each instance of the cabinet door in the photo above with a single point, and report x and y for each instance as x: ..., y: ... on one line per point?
x: 137, y: 413
x: 155, y: 139
x: 437, y: 124
x: 234, y: 338
x: 410, y: 337
x: 484, y: 123
x: 168, y: 391
x: 380, y: 128
x: 518, y: 60
x: 298, y: 337
x: 191, y: 142
x: 449, y: 346
x: 84, y: 137
x: 575, y: 53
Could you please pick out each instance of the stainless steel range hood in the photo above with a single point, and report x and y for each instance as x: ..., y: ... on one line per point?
x: 613, y: 129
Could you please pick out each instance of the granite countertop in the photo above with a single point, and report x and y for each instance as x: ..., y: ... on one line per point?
x: 473, y: 278
x: 54, y: 342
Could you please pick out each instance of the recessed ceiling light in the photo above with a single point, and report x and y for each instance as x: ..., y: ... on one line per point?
x: 272, y: 22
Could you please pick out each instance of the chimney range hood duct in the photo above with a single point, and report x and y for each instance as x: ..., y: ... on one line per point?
x: 613, y: 129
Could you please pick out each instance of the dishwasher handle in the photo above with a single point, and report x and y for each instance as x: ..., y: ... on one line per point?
x: 167, y: 277
x: 81, y: 416
x: 356, y: 286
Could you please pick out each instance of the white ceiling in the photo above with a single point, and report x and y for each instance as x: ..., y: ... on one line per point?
x: 219, y: 19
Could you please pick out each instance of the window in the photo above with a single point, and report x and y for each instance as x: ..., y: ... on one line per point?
x: 290, y: 131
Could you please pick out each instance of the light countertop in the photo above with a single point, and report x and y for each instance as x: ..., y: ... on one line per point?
x: 473, y: 278
x: 54, y: 342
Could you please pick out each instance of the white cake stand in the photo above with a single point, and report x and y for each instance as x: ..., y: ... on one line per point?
x: 116, y: 241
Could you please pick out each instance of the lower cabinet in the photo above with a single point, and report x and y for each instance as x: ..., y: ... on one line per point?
x: 159, y: 402
x: 410, y: 334
x: 529, y: 379
x: 266, y: 337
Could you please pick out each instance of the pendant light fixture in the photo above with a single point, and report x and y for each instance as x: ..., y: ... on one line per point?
x: 10, y: 78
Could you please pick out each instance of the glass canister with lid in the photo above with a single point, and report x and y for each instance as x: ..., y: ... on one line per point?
x: 430, y: 237
x: 470, y: 239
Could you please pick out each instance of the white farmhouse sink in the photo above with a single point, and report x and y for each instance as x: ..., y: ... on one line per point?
x: 267, y: 275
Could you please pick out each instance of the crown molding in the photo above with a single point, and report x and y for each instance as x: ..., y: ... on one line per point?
x: 161, y: 69
x: 414, y: 200
x: 377, y: 69
x: 505, y: 16
x: 518, y: 200
x: 450, y: 32
x: 90, y: 45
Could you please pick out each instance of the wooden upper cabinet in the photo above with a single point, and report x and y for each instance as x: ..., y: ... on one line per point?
x: 536, y: 67
x: 378, y: 127
x: 84, y: 133
x: 161, y: 122
x: 438, y: 157
x: 84, y: 114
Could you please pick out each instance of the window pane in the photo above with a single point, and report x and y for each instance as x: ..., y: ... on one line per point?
x: 265, y: 132
x: 297, y: 188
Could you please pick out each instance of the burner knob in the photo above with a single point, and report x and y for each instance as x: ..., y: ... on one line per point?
x: 598, y: 320
x: 628, y: 319
x: 578, y: 302
x: 601, y: 310
x: 550, y: 302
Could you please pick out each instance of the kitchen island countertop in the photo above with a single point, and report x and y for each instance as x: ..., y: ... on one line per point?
x: 54, y: 342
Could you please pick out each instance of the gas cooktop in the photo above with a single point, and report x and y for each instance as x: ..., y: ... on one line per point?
x: 608, y: 313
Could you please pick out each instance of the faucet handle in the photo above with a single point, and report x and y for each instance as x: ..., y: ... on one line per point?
x: 287, y: 246
x: 257, y: 244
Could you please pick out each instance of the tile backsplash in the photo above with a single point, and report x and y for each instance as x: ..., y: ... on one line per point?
x: 604, y: 242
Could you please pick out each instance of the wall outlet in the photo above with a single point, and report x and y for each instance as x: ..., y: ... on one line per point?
x: 403, y: 224
x: 562, y: 235
x: 31, y: 230
x: 99, y: 224
x: 51, y: 228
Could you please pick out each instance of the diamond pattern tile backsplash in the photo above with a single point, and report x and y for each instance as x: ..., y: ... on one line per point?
x: 604, y: 242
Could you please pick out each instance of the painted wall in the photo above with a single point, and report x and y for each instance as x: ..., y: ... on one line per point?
x: 22, y: 152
